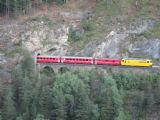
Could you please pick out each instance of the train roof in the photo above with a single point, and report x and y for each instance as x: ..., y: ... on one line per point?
x: 135, y: 59
x: 63, y: 57
x: 47, y: 56
x: 76, y: 57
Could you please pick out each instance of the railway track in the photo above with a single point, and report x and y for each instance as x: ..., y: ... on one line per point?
x: 155, y: 67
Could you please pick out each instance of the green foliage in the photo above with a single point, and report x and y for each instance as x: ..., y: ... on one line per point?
x: 154, y: 32
x: 40, y: 117
x: 74, y: 35
x: 14, y: 7
x: 87, y: 25
x: 122, y: 116
x: 60, y: 2
x: 19, y: 118
x: 128, y: 80
x: 0, y: 116
x: 45, y: 101
x: 112, y: 7
x: 8, y: 110
x: 80, y: 95
x: 73, y: 98
x: 110, y: 100
x: 27, y: 65
x: 59, y: 104
x: 18, y: 7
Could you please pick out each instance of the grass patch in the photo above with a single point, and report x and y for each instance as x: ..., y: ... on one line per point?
x: 1, y: 67
x: 108, y: 8
x: 155, y: 32
x: 11, y: 53
x: 47, y: 21
x: 149, y: 8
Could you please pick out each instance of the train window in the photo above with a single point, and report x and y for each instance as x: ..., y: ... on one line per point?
x: 147, y: 61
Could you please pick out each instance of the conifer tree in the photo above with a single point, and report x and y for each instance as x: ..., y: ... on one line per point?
x: 8, y: 110
x: 19, y: 118
x: 27, y: 65
x: 110, y: 100
x: 40, y: 117
x: 45, y: 101
x: 17, y: 86
x: 59, y: 104
x: 0, y: 116
x: 14, y: 7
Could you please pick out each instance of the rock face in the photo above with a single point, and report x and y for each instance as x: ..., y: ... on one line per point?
x: 145, y: 47
x: 46, y: 39
x: 129, y: 43
x: 110, y: 47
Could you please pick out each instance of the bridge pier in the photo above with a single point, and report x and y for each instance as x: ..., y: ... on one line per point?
x: 62, y: 67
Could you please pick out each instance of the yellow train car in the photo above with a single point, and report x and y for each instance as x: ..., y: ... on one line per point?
x: 136, y: 62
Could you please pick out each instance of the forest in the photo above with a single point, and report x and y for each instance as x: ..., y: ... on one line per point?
x: 15, y: 8
x: 96, y: 94
x: 79, y: 95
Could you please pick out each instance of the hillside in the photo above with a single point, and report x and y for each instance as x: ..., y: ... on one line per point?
x: 91, y: 28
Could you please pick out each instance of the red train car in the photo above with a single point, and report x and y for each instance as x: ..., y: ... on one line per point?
x: 77, y: 60
x: 46, y: 59
x: 105, y: 61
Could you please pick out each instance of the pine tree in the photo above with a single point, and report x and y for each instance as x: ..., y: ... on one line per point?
x: 40, y: 117
x: 0, y: 116
x: 19, y: 118
x: 82, y: 108
x: 45, y: 101
x: 14, y: 7
x: 59, y: 104
x: 110, y: 100
x: 26, y: 94
x: 75, y: 95
x: 17, y: 86
x: 27, y: 65
x: 8, y: 110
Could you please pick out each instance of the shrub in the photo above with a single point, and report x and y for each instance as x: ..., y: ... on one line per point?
x: 75, y: 34
x: 60, y: 2
x: 87, y: 25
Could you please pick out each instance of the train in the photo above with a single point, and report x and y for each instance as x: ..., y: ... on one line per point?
x: 94, y: 61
